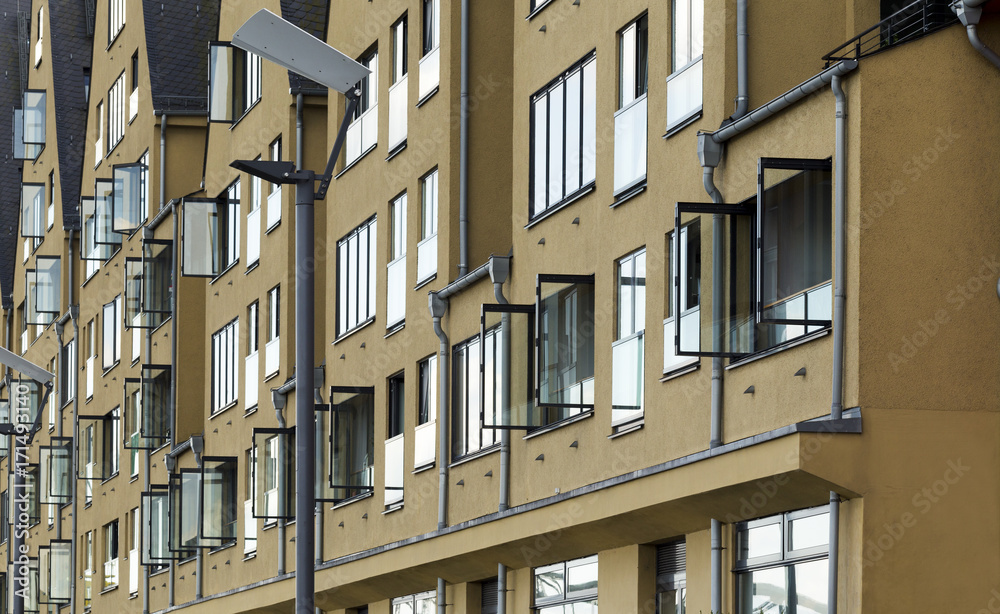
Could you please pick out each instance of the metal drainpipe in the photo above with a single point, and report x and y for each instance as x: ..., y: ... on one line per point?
x: 74, y: 313
x: 463, y: 149
x: 299, y: 104
x: 438, y: 308
x: 146, y: 467
x: 840, y: 262
x: 969, y: 13
x: 742, y: 70
x: 499, y: 269
x: 281, y: 522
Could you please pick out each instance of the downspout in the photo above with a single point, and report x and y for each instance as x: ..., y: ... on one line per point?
x: 73, y: 314
x: 278, y: 396
x: 299, y: 104
x: 839, y: 293
x: 742, y: 70
x: 146, y: 456
x: 463, y: 149
x: 318, y: 385
x: 968, y: 12
x: 499, y: 270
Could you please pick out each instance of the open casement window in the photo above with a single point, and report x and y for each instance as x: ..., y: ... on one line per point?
x: 56, y: 471
x: 274, y: 496
x: 185, y: 513
x: 33, y: 210
x: 46, y: 301
x: 55, y: 567
x: 201, y: 243
x: 111, y: 342
x: 33, y: 123
x: 506, y: 359
x: 693, y: 329
x: 146, y: 408
x: 104, y: 190
x: 90, y: 249
x: 30, y: 493
x: 31, y: 315
x: 154, y: 550
x: 128, y: 191
x: 26, y: 409
x: 133, y: 289
x: 795, y: 218
x: 218, y: 512
x: 234, y: 82
x: 564, y: 333
x: 148, y: 286
x: 30, y: 591
x: 352, y: 441
x: 569, y: 586
x: 98, y: 446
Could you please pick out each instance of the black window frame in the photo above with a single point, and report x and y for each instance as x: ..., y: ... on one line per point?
x: 345, y: 492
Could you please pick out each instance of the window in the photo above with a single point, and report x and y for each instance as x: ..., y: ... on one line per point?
x: 356, y: 278
x: 41, y: 31
x: 275, y: 488
x: 32, y: 210
x: 671, y: 578
x: 468, y: 435
x: 110, y: 534
x: 274, y: 190
x: 776, y: 275
x: 272, y: 349
x: 45, y: 303
x: 29, y: 125
x: 565, y: 325
x: 395, y: 296
x: 630, y: 120
x: 420, y: 603
x: 684, y: 85
x: 225, y: 374
x: 424, y: 443
x: 218, y: 517
x: 67, y: 377
x: 362, y: 134
x: 4, y: 517
x: 537, y: 4
x: 233, y: 82
x: 111, y: 348
x: 51, y: 210
x: 427, y: 248
x: 116, y: 112
x: 394, y: 441
x: 430, y: 62
x: 564, y: 137
x: 134, y: 533
x: 87, y: 563
x: 253, y: 220
x: 566, y: 587
x: 249, y: 489
x: 782, y: 561
x: 275, y: 149
x: 352, y: 441
x: 155, y: 538
x: 116, y: 18
x: 253, y: 324
x: 398, y: 91
x: 210, y: 238
x: 627, y: 364
x: 135, y: 71
x: 129, y: 196
x: 230, y: 210
x: 683, y: 310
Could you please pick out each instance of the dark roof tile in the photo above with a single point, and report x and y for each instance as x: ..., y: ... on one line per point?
x: 10, y: 169
x: 177, y: 37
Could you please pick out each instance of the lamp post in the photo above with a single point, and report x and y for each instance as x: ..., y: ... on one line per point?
x: 271, y: 37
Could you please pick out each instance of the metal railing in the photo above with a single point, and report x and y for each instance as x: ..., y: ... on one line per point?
x: 911, y: 22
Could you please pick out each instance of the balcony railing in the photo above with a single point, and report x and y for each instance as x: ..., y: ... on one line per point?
x: 394, y: 470
x: 90, y: 376
x: 133, y: 104
x: 133, y: 572
x: 272, y: 356
x: 627, y: 378
x: 397, y: 112
x: 911, y: 22
x: 395, y: 296
x: 427, y: 252
x: 630, y: 145
x: 98, y: 151
x: 684, y: 94
x: 249, y: 528
x: 253, y: 236
x: 251, y: 380
x: 274, y: 207
x: 690, y: 323
x: 430, y: 72
x: 110, y: 573
x: 423, y: 444
x: 362, y: 134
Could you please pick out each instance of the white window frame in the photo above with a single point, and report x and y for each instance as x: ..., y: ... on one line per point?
x: 356, y: 278
x: 686, y: 275
x: 628, y: 352
x: 116, y: 19
x: 684, y: 85
x: 112, y: 311
x: 117, y: 117
x: 468, y: 434
x: 225, y: 369
x: 395, y: 296
x: 427, y: 248
x: 631, y: 117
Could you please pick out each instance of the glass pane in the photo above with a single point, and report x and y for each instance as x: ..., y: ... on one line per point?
x: 798, y: 588
x: 155, y: 415
x: 694, y: 253
x: 809, y: 532
x: 425, y: 605
x: 566, y: 347
x: 59, y: 570
x: 550, y: 582
x: 630, y: 145
x: 589, y: 143
x: 47, y: 283
x: 34, y: 118
x: 218, y: 494
x: 506, y: 359
x: 104, y: 190
x: 540, y: 131
x: 133, y: 287
x: 573, y: 131
x: 20, y: 150
x: 153, y: 550
x: 352, y: 441
x: 220, y: 79
x: 760, y: 541
x: 156, y: 280
x: 32, y: 204
x: 681, y: 34
x: 556, y: 142
x: 627, y: 379
x: 684, y: 94
x: 275, y: 471
x: 127, y: 197
x: 201, y: 254
x: 581, y: 578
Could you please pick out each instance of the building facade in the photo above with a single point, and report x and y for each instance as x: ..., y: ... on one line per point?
x: 524, y: 190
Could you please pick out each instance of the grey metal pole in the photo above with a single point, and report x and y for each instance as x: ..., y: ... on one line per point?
x: 305, y: 446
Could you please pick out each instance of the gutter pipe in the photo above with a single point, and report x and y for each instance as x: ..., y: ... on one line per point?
x: 463, y: 149
x: 968, y: 13
x: 499, y: 270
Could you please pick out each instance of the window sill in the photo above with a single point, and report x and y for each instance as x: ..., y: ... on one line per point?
x: 682, y: 124
x: 354, y: 499
x: 395, y: 507
x: 779, y: 348
x: 429, y: 95
x: 355, y: 161
x: 682, y: 370
x: 113, y: 587
x: 245, y: 113
x: 395, y: 328
x: 474, y: 455
x: 155, y: 571
x: 271, y: 376
x: 351, y: 332
x: 626, y: 428
x: 538, y: 9
x: 229, y: 267
x: 423, y: 468
x: 222, y: 548
x: 251, y: 267
x: 109, y: 478
x: 249, y: 556
x: 629, y: 193
x: 548, y: 428
x: 569, y: 200
x: 215, y: 414
x: 106, y: 370
x: 396, y: 150
x: 272, y: 227
x: 249, y: 411
x: 423, y: 282
x: 133, y: 478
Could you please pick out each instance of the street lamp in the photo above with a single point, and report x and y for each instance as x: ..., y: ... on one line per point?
x: 269, y: 36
